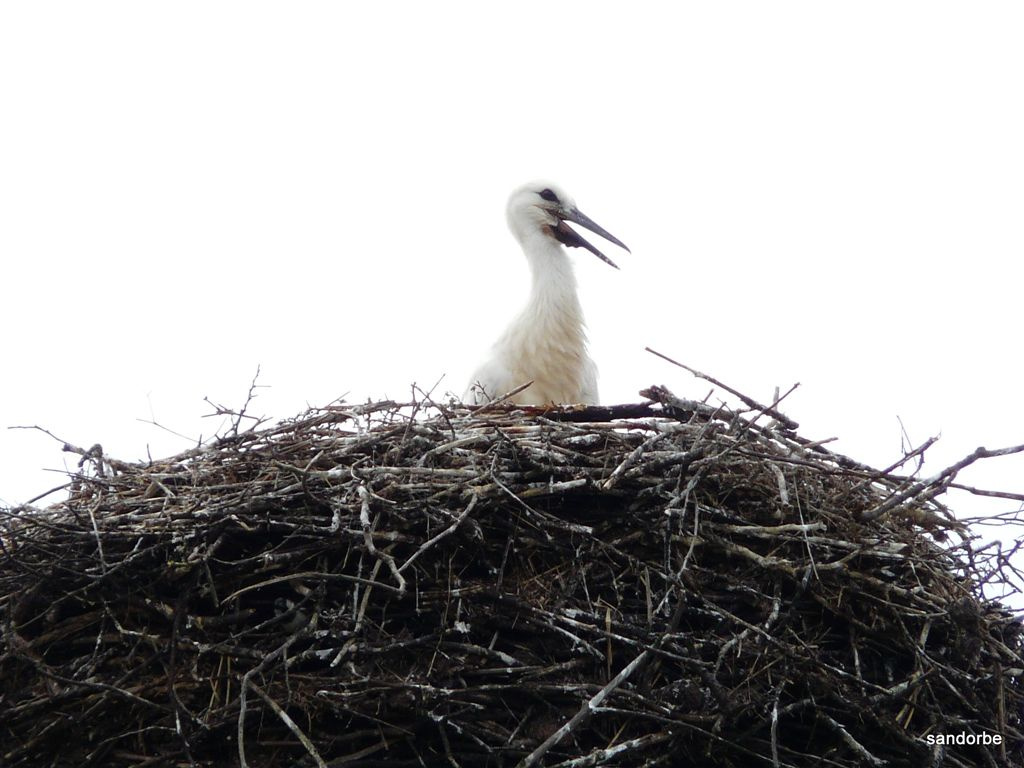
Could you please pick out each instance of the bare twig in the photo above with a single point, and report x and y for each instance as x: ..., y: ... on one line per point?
x: 584, y: 713
x: 938, y: 482
x: 784, y: 420
x: 287, y: 720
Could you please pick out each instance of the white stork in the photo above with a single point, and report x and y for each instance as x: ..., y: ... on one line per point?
x: 546, y: 343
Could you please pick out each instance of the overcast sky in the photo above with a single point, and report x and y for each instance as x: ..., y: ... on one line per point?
x: 813, y: 192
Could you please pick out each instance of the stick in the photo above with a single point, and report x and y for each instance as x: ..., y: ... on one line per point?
x: 291, y: 725
x: 787, y: 422
x: 938, y: 481
x: 584, y: 713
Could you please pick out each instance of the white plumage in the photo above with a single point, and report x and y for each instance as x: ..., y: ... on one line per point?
x: 546, y: 342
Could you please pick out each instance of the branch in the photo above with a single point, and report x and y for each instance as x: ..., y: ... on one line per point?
x: 584, y: 713
x: 936, y: 482
x: 784, y: 420
x: 291, y: 725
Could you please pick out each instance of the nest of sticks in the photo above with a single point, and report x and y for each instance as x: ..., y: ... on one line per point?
x: 665, y: 583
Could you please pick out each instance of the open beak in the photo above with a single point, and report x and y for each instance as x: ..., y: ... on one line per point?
x: 566, y: 235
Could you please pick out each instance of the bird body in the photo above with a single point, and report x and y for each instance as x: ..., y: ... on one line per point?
x: 546, y: 343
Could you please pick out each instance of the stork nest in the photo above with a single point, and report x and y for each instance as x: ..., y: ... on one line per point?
x: 664, y: 583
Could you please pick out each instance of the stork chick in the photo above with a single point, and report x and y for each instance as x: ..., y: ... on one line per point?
x: 546, y: 342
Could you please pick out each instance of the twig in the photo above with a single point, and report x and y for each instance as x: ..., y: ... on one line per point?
x: 851, y: 742
x: 584, y: 713
x: 784, y: 420
x: 937, y: 482
x: 364, y: 518
x: 247, y: 683
x: 290, y: 723
x: 443, y: 534
x: 501, y: 400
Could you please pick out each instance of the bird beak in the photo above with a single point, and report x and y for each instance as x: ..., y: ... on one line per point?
x: 566, y: 235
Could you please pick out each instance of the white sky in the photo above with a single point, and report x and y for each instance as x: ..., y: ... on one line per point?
x: 815, y: 192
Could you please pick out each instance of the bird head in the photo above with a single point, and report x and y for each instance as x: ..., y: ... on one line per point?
x: 543, y: 208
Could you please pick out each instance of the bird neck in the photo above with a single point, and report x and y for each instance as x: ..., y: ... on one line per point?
x: 553, y: 296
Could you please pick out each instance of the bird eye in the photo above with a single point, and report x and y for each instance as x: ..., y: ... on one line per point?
x: 550, y: 196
